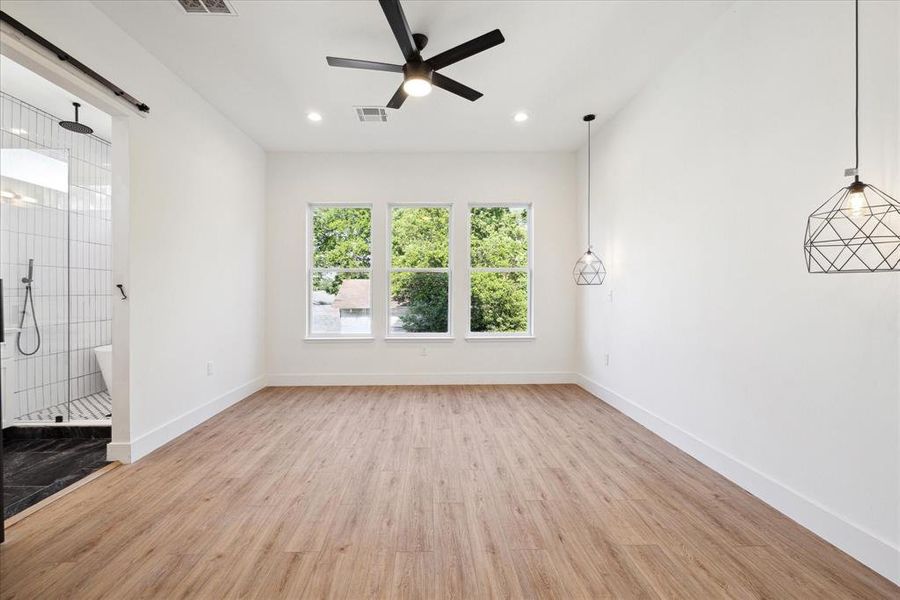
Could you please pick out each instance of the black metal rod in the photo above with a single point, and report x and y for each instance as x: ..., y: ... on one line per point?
x: 64, y: 56
x: 589, y: 185
x: 856, y: 42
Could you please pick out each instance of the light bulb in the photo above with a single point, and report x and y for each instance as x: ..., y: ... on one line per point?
x: 856, y: 201
x: 314, y: 117
x: 417, y: 87
x: 520, y: 117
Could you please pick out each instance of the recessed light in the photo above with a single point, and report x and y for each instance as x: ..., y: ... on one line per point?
x: 520, y: 117
x: 314, y: 117
x: 17, y: 131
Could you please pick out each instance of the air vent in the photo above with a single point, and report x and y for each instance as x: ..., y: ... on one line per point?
x: 371, y: 114
x: 207, y: 7
x: 219, y: 7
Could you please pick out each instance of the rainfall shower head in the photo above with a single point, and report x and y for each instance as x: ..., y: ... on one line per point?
x: 75, y: 126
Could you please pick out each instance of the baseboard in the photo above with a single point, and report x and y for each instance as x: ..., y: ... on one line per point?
x: 150, y: 441
x: 352, y: 379
x: 877, y: 554
x: 118, y: 451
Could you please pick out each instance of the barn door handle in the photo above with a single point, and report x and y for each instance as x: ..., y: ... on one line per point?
x: 122, y: 291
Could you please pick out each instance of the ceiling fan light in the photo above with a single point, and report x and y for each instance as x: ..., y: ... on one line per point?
x: 417, y: 87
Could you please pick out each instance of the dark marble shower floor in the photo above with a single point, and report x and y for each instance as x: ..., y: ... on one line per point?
x: 40, y: 461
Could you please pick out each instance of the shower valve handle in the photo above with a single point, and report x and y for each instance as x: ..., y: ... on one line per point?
x: 122, y: 291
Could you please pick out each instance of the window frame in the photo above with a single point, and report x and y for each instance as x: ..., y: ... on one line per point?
x: 311, y: 270
x: 390, y: 269
x: 528, y: 270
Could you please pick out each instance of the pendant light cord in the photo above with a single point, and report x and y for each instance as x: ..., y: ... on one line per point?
x: 589, y: 185
x: 857, y: 88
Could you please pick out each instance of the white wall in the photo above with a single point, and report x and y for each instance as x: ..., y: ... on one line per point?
x: 718, y: 338
x: 196, y: 196
x: 545, y: 180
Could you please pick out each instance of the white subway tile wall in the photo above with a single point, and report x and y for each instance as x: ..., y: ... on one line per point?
x: 69, y: 238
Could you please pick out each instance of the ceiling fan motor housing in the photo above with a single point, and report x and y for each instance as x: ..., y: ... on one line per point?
x: 417, y: 70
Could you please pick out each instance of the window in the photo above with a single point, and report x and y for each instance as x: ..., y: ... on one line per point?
x: 500, y: 270
x: 419, y: 273
x: 340, y: 296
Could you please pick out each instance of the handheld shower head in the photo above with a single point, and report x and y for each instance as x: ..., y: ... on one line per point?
x: 27, y: 280
x: 29, y: 297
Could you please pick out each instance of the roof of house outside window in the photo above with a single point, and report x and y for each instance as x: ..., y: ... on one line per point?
x: 353, y: 294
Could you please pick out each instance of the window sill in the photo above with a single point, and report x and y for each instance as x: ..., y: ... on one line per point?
x: 422, y: 338
x: 342, y: 338
x: 500, y: 338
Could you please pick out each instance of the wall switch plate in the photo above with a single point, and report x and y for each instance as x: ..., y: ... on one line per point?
x: 606, y: 359
x: 209, y: 367
x: 424, y: 351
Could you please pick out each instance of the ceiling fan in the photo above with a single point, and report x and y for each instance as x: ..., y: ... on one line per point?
x: 420, y: 75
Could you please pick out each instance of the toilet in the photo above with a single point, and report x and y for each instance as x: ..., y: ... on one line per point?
x: 104, y: 359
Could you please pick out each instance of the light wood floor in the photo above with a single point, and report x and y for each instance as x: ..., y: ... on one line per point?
x: 420, y: 492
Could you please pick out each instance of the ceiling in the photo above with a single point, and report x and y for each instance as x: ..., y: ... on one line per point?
x: 265, y: 67
x: 33, y: 89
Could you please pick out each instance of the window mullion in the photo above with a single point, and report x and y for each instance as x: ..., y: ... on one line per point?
x: 501, y: 269
x: 417, y: 270
x: 341, y: 270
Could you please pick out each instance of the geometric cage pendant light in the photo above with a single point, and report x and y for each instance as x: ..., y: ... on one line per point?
x: 589, y: 269
x: 857, y: 230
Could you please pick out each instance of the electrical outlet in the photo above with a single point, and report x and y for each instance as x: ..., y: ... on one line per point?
x: 424, y: 351
x: 210, y: 369
x: 610, y: 296
x: 606, y: 359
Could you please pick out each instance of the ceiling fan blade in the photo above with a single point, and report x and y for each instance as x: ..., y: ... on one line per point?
x: 467, y: 49
x: 397, y: 20
x: 398, y: 98
x: 455, y: 87
x: 352, y: 63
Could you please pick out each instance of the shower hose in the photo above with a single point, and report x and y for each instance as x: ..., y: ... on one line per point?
x: 28, y: 297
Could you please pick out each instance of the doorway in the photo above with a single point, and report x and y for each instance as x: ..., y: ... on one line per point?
x: 56, y: 265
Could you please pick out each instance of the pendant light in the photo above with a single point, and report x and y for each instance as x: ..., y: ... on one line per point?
x: 857, y: 230
x: 589, y: 269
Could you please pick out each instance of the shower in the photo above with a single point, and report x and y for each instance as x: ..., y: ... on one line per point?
x: 29, y: 296
x: 75, y: 126
x: 56, y: 246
